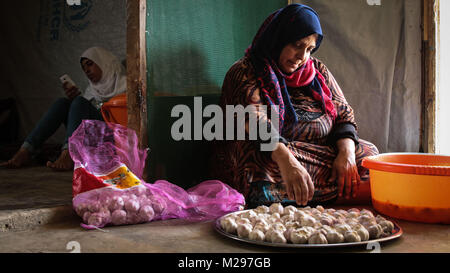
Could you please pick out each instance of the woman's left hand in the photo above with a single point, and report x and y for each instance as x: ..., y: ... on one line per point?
x: 345, y: 170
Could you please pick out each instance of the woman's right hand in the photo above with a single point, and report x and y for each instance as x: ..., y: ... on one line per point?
x: 71, y: 92
x: 299, y: 186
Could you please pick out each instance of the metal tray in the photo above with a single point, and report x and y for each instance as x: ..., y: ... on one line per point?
x: 397, y: 232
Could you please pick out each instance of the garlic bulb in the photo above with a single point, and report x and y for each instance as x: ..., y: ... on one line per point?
x: 262, y: 209
x: 276, y: 208
x: 308, y: 221
x: 146, y: 213
x: 289, y: 210
x: 242, y: 221
x: 257, y: 235
x: 287, y: 218
x: 119, y: 217
x: 277, y: 237
x: 298, y: 215
x: 334, y: 237
x: 387, y: 226
x: 375, y: 231
x: 97, y: 219
x: 317, y: 238
x: 230, y: 226
x: 298, y: 237
x: 363, y: 233
x: 132, y: 205
x: 320, y: 208
x: 94, y: 206
x: 342, y: 228
x: 116, y: 203
x: 367, y: 212
x: 352, y: 236
x: 243, y: 230
x: 262, y: 227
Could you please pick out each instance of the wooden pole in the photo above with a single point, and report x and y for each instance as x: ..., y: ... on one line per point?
x: 430, y: 26
x: 137, y: 70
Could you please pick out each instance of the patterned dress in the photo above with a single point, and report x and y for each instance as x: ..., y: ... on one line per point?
x: 243, y: 166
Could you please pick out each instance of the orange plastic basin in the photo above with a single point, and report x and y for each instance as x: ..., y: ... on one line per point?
x: 411, y: 186
x: 115, y: 110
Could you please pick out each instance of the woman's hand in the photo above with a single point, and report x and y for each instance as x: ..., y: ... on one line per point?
x: 299, y: 186
x: 344, y: 169
x: 71, y: 92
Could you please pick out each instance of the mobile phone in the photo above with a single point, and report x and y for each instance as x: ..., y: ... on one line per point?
x: 65, y: 78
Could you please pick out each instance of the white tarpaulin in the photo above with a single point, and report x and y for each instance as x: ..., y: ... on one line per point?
x: 43, y: 39
x: 374, y: 53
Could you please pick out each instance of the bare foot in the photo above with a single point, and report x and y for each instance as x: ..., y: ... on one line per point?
x: 63, y: 163
x: 20, y: 159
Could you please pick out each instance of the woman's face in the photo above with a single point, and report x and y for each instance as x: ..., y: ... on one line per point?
x: 295, y: 54
x: 92, y: 70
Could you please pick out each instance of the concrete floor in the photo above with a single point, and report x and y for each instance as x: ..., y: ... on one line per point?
x: 36, y: 216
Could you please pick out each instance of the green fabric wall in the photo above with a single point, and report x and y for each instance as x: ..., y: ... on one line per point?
x: 191, y: 44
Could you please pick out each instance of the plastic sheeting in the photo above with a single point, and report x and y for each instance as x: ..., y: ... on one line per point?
x: 374, y: 53
x: 43, y: 39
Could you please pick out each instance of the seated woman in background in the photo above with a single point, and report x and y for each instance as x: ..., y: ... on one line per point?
x: 107, y: 78
x: 318, y: 156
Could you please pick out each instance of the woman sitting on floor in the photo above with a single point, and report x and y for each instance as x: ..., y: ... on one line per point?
x: 107, y: 78
x: 318, y: 156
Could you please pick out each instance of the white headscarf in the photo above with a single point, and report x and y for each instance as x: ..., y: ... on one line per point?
x: 113, y: 81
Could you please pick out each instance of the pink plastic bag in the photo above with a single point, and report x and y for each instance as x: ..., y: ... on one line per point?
x: 108, y: 189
